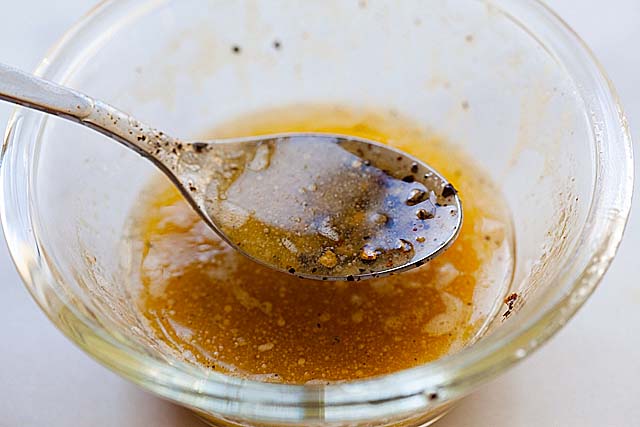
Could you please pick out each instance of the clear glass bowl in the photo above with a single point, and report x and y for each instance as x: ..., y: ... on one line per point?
x: 504, y: 79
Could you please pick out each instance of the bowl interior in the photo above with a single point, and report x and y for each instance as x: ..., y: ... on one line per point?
x: 468, y: 71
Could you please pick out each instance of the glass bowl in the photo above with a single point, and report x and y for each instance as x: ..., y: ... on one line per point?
x: 506, y: 80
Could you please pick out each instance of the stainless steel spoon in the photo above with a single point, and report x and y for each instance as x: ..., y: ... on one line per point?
x: 320, y: 206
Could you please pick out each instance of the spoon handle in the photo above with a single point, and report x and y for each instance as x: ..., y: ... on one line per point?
x: 33, y: 92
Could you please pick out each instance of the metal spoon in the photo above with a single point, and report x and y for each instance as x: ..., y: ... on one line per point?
x: 320, y: 206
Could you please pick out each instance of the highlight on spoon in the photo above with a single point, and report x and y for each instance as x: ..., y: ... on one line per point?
x: 322, y: 206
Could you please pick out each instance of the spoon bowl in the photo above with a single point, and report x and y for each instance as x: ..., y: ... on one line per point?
x: 320, y: 206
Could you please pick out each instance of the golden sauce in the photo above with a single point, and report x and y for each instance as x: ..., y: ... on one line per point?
x: 215, y: 308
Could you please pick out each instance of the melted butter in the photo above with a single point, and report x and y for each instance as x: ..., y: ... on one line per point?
x: 215, y: 308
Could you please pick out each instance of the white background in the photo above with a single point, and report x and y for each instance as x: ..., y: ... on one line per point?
x: 588, y: 375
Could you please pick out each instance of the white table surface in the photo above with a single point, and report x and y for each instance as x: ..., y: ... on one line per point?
x: 588, y: 375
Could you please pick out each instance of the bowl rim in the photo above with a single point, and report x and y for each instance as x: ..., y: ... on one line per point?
x: 427, y: 386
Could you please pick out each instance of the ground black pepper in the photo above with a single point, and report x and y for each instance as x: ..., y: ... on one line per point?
x: 449, y: 190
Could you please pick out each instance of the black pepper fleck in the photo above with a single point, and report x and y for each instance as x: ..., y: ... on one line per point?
x: 416, y: 196
x: 449, y: 190
x: 409, y: 179
x: 199, y: 146
x: 423, y: 214
x: 236, y: 49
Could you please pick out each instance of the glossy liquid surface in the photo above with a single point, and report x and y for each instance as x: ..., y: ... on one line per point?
x: 209, y: 305
x: 323, y: 207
